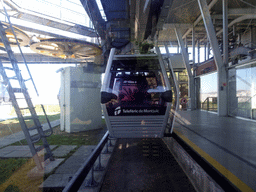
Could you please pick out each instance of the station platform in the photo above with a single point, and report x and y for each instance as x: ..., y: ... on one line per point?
x: 227, y: 143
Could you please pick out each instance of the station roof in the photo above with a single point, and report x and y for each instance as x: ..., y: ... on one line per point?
x: 130, y: 20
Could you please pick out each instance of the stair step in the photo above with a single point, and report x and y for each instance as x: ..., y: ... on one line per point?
x: 8, y: 27
x: 10, y: 58
x: 24, y: 108
x: 33, y: 128
x: 21, y: 98
x: 14, y: 78
x: 27, y: 79
x: 2, y: 49
x: 48, y: 132
x: 35, y: 138
x: 5, y: 58
x: 8, y: 68
x: 27, y: 118
x: 17, y: 90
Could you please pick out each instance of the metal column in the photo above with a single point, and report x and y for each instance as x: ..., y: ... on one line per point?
x: 190, y: 76
x: 208, y: 50
x: 198, y: 51
x: 174, y: 78
x: 193, y: 44
x: 222, y: 73
x: 225, y: 31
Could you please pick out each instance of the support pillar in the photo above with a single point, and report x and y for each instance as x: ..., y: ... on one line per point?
x: 205, y: 51
x: 197, y: 92
x: 176, y: 82
x: 253, y: 36
x: 191, y: 84
x: 198, y: 51
x: 208, y: 50
x: 222, y: 73
x: 225, y: 32
x: 193, y: 44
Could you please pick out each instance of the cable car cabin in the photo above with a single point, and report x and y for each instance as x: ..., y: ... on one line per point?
x: 136, y: 96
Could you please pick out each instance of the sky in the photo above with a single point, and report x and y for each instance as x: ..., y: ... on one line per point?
x: 47, y: 81
x: 209, y: 83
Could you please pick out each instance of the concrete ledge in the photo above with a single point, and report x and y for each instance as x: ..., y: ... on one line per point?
x: 198, y: 177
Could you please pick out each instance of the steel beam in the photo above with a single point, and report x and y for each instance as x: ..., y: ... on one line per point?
x: 34, y: 58
x: 222, y: 73
x: 225, y: 31
x: 198, y: 51
x: 193, y: 44
x: 41, y: 19
x: 191, y: 84
x: 176, y: 83
x: 241, y: 11
x: 93, y: 12
x: 213, y: 2
x: 175, y: 25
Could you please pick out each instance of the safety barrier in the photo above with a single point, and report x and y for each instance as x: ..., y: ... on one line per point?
x: 79, y: 177
x: 210, y: 104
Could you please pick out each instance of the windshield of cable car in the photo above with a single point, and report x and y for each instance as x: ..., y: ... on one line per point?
x: 138, y: 85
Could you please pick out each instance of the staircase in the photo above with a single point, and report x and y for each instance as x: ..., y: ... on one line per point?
x: 16, y: 87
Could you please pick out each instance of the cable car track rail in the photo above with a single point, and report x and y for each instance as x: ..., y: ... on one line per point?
x: 78, y: 179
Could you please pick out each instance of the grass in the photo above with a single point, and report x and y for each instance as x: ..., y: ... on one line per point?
x: 13, y: 172
x: 91, y: 137
x: 17, y: 179
x: 9, y: 166
x: 11, y: 126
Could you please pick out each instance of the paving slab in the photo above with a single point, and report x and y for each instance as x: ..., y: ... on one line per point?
x: 18, y: 154
x: 47, y: 165
x: 65, y: 172
x: 57, y: 180
x: 7, y: 140
x: 73, y: 163
x: 19, y: 151
x: 63, y: 150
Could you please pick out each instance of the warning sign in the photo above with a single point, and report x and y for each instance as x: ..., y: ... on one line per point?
x: 183, y: 101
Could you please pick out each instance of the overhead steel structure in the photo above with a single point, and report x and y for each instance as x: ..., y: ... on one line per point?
x: 225, y: 29
x: 33, y: 16
x: 216, y: 25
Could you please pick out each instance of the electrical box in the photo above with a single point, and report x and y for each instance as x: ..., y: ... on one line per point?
x: 80, y: 100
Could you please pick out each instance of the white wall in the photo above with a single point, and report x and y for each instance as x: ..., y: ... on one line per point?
x: 80, y: 100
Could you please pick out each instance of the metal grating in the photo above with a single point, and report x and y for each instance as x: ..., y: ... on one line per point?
x: 141, y: 126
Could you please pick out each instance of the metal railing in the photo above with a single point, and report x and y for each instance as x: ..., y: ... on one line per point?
x: 79, y: 177
x: 244, y: 107
x: 210, y: 104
